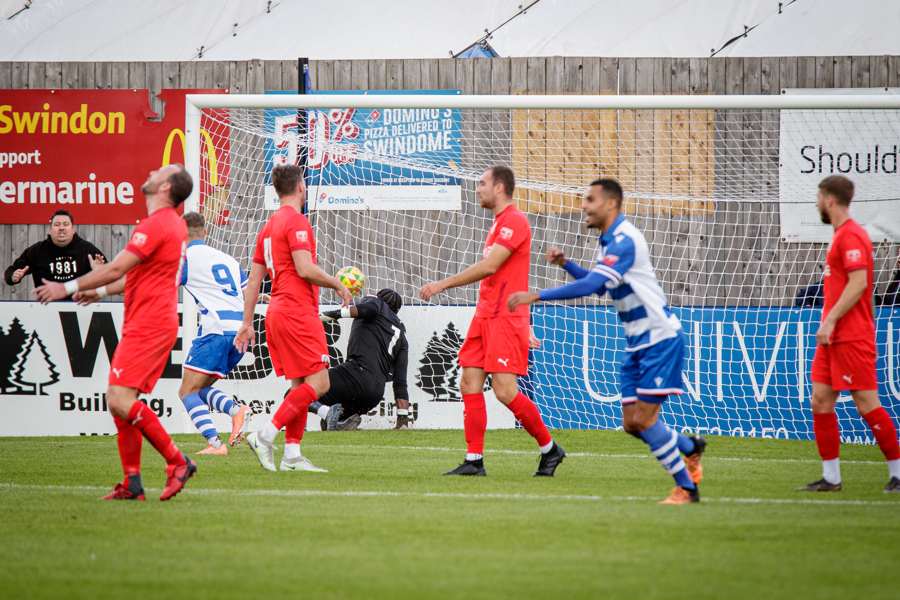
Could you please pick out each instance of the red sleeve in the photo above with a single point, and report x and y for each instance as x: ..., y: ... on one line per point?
x: 259, y: 255
x: 854, y: 253
x: 147, y: 237
x: 298, y: 233
x: 513, y: 233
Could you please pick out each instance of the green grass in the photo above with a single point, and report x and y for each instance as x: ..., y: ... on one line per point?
x: 383, y: 523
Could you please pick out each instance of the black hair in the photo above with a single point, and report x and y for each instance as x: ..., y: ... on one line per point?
x: 62, y: 211
x: 181, y: 183
x: 391, y: 298
x: 611, y: 189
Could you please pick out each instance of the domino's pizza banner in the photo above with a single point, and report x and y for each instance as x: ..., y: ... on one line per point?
x: 347, y: 147
x: 89, y: 152
x: 746, y: 371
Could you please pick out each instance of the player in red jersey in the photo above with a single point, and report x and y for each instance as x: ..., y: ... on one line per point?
x: 498, y: 340
x: 286, y: 249
x: 152, y: 260
x: 845, y: 355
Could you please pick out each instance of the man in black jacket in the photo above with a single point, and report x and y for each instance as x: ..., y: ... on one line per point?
x: 891, y: 295
x: 377, y: 351
x: 61, y: 256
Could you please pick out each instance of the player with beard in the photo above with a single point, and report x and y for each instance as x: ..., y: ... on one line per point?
x: 846, y: 353
x: 286, y: 250
x: 654, y: 340
x: 152, y: 261
x: 498, y: 339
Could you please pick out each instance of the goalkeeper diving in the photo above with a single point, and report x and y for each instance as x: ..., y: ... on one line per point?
x: 377, y: 352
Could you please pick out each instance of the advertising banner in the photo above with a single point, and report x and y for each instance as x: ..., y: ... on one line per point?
x: 89, y: 152
x: 349, y: 155
x: 746, y: 371
x: 54, y: 366
x: 862, y: 145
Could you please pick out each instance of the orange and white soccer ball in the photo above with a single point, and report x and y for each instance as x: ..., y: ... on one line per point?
x: 352, y: 278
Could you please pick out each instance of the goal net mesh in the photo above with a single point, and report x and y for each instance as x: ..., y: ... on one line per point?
x: 725, y: 199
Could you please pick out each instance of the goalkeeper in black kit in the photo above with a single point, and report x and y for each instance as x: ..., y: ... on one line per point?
x: 377, y: 352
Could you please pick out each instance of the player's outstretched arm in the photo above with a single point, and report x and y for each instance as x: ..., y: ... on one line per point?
x: 592, y: 283
x: 85, y: 297
x: 367, y: 309
x: 853, y: 291
x: 101, y: 276
x: 483, y: 268
x: 557, y: 257
x: 311, y: 273
x: 245, y: 335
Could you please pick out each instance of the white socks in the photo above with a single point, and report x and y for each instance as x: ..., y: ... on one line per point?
x: 235, y: 409
x: 323, y: 411
x: 831, y: 470
x: 292, y: 453
x: 267, y: 434
x: 217, y: 443
x: 547, y: 448
x: 470, y: 457
x: 894, y: 468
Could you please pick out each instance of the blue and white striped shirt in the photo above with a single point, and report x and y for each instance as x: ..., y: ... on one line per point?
x: 216, y: 281
x: 624, y: 259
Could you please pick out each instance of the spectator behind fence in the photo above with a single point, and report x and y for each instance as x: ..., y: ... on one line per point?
x: 891, y: 295
x: 61, y: 256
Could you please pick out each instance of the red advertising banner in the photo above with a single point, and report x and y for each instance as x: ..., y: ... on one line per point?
x: 89, y: 152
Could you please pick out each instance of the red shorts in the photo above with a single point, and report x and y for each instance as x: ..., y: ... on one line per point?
x: 846, y: 365
x: 140, y: 357
x: 296, y: 344
x: 497, y: 345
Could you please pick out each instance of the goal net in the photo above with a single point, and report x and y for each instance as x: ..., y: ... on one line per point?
x: 723, y: 188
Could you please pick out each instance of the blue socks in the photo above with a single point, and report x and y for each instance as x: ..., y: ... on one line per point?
x: 200, y: 416
x: 666, y: 446
x: 219, y: 400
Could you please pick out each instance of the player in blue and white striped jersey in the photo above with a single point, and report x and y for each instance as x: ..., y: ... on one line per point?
x: 216, y: 281
x: 654, y: 340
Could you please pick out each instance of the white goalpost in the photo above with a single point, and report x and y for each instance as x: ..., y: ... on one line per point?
x: 723, y: 188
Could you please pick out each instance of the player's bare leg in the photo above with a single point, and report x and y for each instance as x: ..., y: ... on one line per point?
x: 641, y: 419
x: 133, y: 420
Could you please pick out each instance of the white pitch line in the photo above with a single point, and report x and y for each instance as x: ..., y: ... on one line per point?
x: 380, y: 493
x: 595, y: 454
x: 529, y: 452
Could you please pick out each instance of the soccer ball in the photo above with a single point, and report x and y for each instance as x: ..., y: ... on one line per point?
x: 352, y: 278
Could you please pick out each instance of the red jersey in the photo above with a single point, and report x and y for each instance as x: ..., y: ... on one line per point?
x: 151, y: 288
x: 511, y: 230
x: 287, y: 230
x: 850, y: 250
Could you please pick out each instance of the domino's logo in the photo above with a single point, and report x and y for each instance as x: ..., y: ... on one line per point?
x: 323, y: 196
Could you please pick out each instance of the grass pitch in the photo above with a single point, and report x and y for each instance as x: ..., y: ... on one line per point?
x: 383, y: 523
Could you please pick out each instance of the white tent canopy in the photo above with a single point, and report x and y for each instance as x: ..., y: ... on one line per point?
x: 182, y: 30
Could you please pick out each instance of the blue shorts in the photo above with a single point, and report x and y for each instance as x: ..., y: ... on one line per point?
x: 651, y: 374
x: 213, y: 354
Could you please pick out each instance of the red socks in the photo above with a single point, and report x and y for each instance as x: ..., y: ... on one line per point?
x: 527, y: 414
x: 292, y: 412
x: 884, y: 431
x: 474, y: 422
x: 828, y: 436
x: 144, y: 419
x: 129, y: 440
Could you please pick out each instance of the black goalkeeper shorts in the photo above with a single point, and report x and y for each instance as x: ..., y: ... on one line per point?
x: 358, y: 391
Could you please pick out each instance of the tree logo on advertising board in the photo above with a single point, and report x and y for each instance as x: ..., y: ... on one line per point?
x: 25, y: 365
